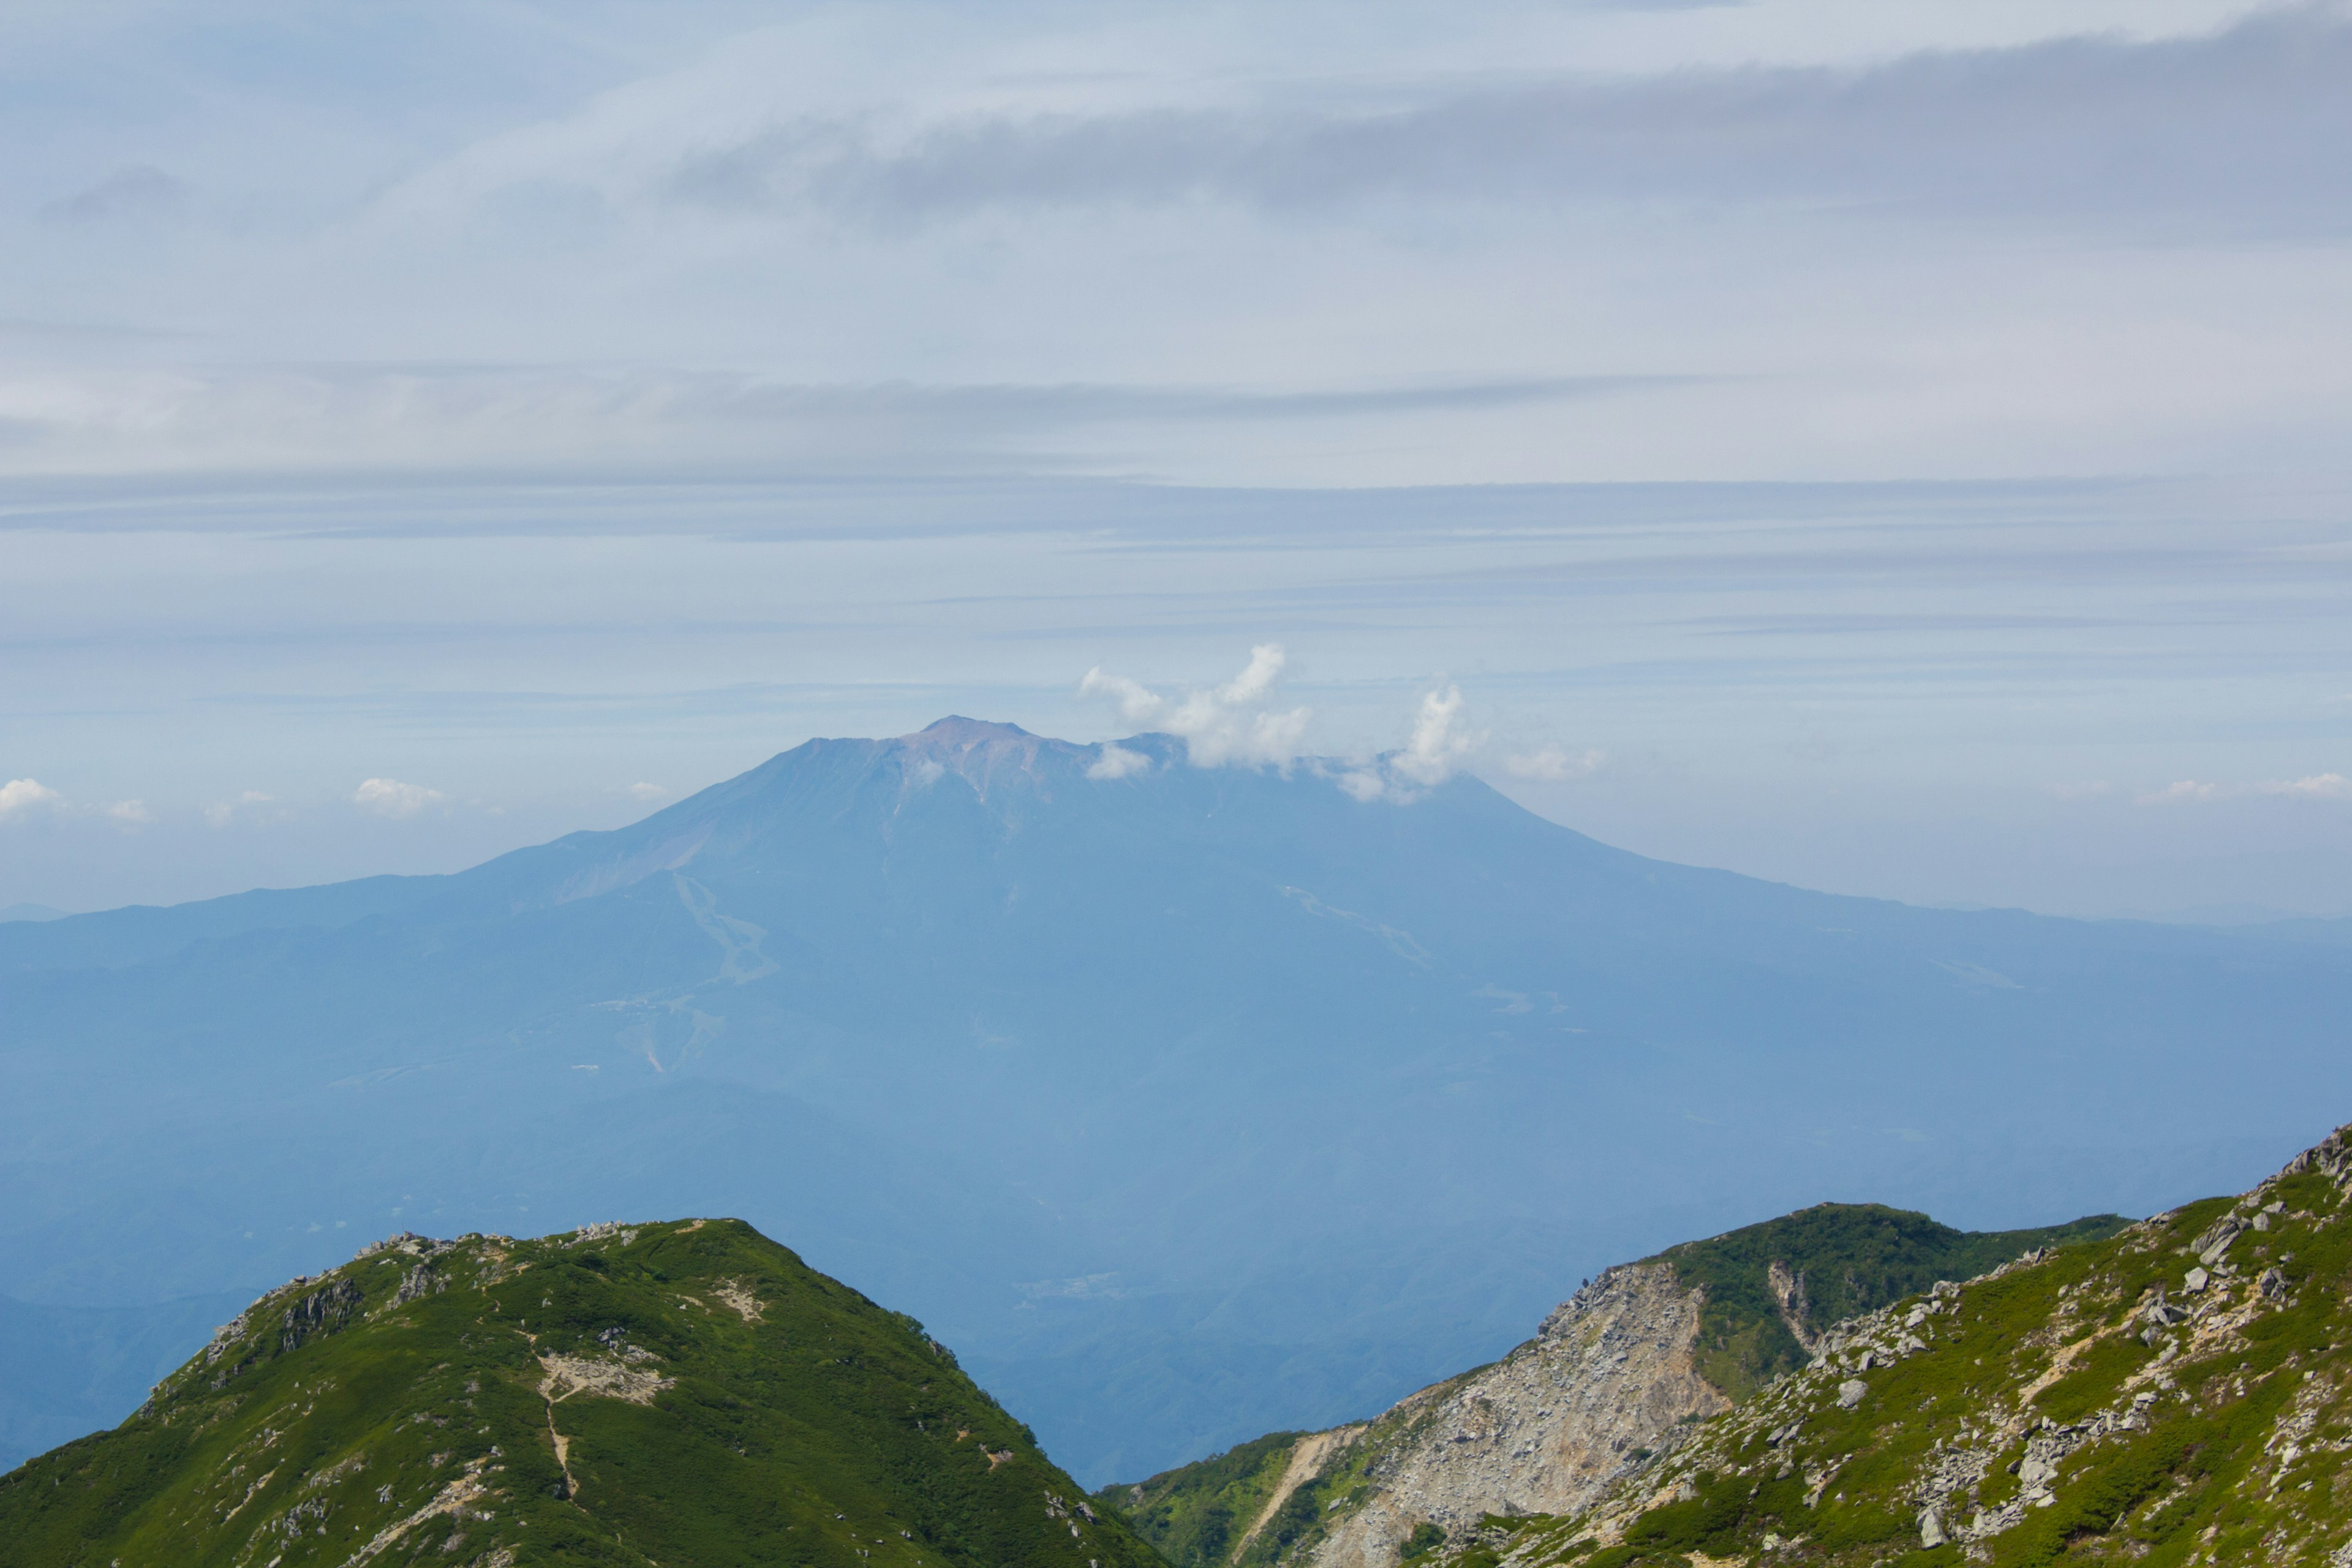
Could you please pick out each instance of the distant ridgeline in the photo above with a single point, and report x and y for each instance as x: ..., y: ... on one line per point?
x: 676, y: 1395
x: 958, y: 1012
x: 2173, y: 1392
x: 1607, y: 1385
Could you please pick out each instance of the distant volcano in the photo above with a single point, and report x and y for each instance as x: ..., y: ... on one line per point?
x: 1185, y: 1102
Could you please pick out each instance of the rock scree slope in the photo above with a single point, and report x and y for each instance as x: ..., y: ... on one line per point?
x: 2178, y: 1393
x: 1616, y: 1374
x: 687, y: 1393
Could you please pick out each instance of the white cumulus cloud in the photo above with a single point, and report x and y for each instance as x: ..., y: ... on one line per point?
x: 1116, y: 762
x: 1441, y: 740
x: 391, y: 797
x: 18, y: 796
x: 2182, y: 792
x: 130, y: 813
x: 642, y: 791
x: 1241, y: 722
x: 1232, y: 723
x: 1440, y: 746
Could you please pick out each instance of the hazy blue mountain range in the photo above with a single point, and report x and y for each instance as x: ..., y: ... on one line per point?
x: 1184, y: 1105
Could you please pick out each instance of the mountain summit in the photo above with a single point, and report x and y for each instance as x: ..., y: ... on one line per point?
x: 1189, y: 1102
x: 682, y: 1392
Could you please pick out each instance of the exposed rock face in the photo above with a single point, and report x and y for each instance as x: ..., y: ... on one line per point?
x: 1607, y: 1380
x: 322, y: 1311
x: 1788, y: 1292
x: 2067, y: 1403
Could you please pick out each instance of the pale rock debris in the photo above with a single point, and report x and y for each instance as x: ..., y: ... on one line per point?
x: 1611, y: 1374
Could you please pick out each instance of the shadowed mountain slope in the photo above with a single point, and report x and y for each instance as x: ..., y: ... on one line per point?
x: 1189, y: 1103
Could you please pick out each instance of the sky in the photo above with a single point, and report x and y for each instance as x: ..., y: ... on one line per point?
x: 1897, y: 448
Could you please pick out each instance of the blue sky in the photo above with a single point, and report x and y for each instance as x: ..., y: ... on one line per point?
x: 1897, y: 448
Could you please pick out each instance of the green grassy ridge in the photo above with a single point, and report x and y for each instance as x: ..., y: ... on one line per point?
x: 1854, y: 1258
x: 337, y: 1423
x: 1197, y: 1513
x: 2238, y: 1458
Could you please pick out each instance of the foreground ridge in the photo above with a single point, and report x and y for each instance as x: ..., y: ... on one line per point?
x: 2179, y: 1394
x: 1616, y: 1374
x: 680, y: 1392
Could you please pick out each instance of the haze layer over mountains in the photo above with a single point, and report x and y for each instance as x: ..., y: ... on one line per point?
x: 1183, y: 1102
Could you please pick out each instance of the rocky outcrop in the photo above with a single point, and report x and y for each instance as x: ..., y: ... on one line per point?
x: 322, y: 1311
x: 1787, y: 1289
x: 2183, y: 1386
x: 1607, y: 1382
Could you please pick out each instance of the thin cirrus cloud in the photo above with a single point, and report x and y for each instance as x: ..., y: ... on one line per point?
x: 200, y: 420
x: 1222, y: 247
x: 396, y: 799
x: 2239, y: 127
x: 138, y: 191
x: 1554, y: 764
x: 2316, y: 787
x: 2196, y: 792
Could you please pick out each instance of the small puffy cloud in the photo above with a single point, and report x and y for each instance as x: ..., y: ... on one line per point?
x: 20, y: 796
x: 1442, y: 740
x: 1116, y: 762
x: 391, y: 797
x: 1232, y: 723
x: 130, y: 813
x: 642, y: 791
x: 1553, y: 764
x: 1443, y: 744
x: 2318, y: 786
x: 1440, y: 745
x: 252, y: 805
x: 2183, y: 792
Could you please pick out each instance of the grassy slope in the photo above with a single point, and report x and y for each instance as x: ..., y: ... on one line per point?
x: 828, y: 1431
x: 1855, y: 1257
x: 2234, y: 1455
x: 1198, y: 1513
